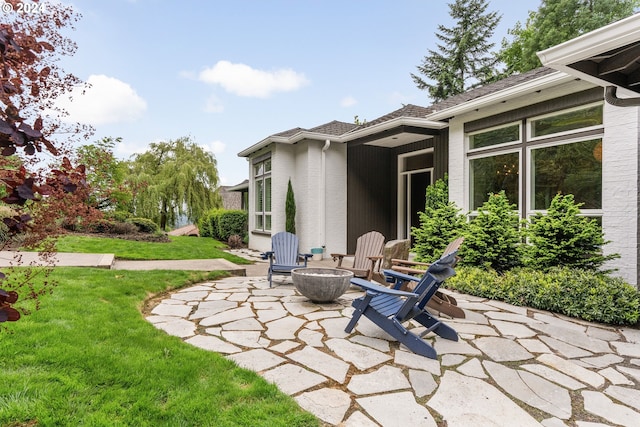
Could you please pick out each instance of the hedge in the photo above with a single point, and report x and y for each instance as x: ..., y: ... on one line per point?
x: 220, y: 224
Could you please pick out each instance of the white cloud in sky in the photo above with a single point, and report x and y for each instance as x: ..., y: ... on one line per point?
x: 242, y: 80
x: 348, y: 101
x: 108, y: 100
x: 215, y: 147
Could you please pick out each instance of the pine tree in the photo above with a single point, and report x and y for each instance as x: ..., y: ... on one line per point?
x: 290, y: 210
x: 463, y: 60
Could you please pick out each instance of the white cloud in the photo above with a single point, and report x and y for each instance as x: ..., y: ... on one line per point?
x: 242, y: 80
x: 348, y: 101
x: 215, y: 147
x: 108, y: 100
x: 213, y: 105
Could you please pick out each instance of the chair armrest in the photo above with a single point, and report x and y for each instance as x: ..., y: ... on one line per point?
x: 373, y: 287
x: 339, y: 257
x: 407, y: 270
x: 266, y: 255
x: 305, y: 256
x: 404, y: 262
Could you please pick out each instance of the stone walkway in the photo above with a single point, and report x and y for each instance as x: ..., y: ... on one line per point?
x: 512, y: 366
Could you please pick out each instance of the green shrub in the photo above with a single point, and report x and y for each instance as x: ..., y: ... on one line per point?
x: 124, y: 228
x: 492, y: 239
x: 290, y: 210
x: 588, y: 295
x: 440, y: 223
x: 101, y: 226
x: 144, y: 225
x: 563, y: 238
x: 119, y: 216
x: 222, y: 223
x: 231, y: 222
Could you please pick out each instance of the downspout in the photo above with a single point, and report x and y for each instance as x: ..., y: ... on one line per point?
x: 611, y: 98
x: 323, y: 193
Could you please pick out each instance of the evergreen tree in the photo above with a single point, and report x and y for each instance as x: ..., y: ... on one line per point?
x: 557, y: 21
x: 493, y: 237
x: 440, y: 223
x: 290, y: 210
x: 463, y: 59
x: 562, y: 237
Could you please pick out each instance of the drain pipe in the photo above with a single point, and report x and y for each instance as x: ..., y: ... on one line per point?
x: 611, y: 98
x: 323, y: 193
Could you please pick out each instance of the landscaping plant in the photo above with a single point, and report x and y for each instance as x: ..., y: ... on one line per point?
x: 561, y: 237
x: 492, y: 238
x: 290, y: 210
x: 440, y: 223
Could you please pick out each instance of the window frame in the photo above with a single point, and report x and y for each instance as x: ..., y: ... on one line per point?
x: 529, y: 121
x: 262, y: 220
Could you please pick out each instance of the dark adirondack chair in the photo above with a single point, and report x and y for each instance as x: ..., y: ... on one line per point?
x: 284, y: 255
x: 390, y: 308
x: 441, y: 302
x: 368, y: 253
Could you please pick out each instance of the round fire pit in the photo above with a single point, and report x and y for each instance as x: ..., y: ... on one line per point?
x: 321, y: 284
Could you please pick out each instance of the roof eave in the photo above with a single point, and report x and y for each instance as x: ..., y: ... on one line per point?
x: 607, y: 38
x: 515, y: 91
x: 393, y: 123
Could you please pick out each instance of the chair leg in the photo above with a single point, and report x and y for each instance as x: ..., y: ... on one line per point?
x: 360, y: 305
x: 436, y: 326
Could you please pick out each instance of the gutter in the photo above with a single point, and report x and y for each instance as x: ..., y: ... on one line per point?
x: 323, y: 192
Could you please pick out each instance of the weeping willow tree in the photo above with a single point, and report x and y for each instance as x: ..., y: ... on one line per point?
x: 174, y: 179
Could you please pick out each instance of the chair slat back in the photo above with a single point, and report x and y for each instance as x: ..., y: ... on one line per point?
x: 285, y: 248
x: 369, y: 244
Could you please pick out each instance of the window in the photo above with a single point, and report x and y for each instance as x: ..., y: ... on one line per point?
x: 556, y: 157
x: 262, y: 186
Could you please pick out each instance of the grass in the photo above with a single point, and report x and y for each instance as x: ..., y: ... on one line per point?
x: 88, y: 357
x: 180, y: 247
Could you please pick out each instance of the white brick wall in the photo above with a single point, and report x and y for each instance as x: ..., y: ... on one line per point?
x: 620, y: 188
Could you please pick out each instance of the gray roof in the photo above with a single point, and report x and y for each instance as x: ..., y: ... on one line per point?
x: 408, y: 110
x: 490, y: 88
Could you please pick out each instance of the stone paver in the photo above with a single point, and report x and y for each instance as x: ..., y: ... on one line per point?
x: 513, y: 357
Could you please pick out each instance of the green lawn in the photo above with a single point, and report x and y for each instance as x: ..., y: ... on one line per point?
x: 88, y: 357
x: 180, y: 247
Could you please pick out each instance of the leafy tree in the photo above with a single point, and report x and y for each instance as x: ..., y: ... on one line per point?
x: 105, y: 175
x: 290, y: 210
x: 440, y: 223
x: 563, y: 238
x: 463, y: 60
x: 493, y: 237
x: 172, y: 179
x: 35, y: 198
x: 557, y: 21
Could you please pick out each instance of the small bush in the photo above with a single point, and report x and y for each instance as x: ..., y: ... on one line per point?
x: 583, y: 294
x: 144, y: 225
x: 562, y: 237
x: 119, y: 216
x: 124, y: 228
x: 440, y: 223
x: 492, y: 239
x: 235, y: 241
x: 101, y: 226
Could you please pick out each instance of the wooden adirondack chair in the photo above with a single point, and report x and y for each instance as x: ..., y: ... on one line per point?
x: 284, y: 255
x: 441, y: 302
x: 368, y: 253
x: 390, y: 308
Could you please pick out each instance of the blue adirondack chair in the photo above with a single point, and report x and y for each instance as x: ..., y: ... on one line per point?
x: 284, y: 255
x: 389, y: 308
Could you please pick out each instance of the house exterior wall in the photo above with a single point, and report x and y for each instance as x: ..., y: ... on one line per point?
x: 620, y: 201
x: 620, y: 188
x: 303, y: 164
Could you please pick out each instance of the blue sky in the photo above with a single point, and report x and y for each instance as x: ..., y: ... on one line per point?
x: 230, y: 73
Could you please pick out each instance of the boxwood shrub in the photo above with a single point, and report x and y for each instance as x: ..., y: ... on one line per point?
x: 222, y: 223
x: 588, y: 295
x: 144, y: 225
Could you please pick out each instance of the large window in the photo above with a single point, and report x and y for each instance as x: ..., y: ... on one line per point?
x: 556, y: 157
x: 262, y: 186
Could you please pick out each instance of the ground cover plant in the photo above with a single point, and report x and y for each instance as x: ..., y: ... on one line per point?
x: 88, y: 357
x: 179, y: 247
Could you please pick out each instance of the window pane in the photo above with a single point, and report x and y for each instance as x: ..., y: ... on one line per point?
x: 568, y: 169
x: 495, y: 136
x: 493, y: 174
x: 267, y: 225
x: 267, y: 165
x: 259, y: 222
x: 577, y: 119
x: 267, y: 194
x: 259, y: 195
x: 257, y: 169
